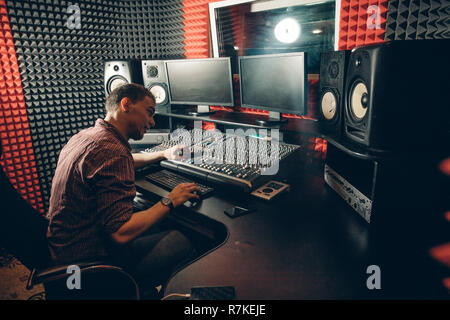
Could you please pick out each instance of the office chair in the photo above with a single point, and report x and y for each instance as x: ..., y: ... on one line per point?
x: 23, y: 234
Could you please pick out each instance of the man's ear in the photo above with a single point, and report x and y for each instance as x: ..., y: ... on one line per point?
x: 125, y: 104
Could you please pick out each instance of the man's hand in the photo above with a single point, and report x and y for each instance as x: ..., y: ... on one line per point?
x: 182, y: 193
x: 142, y: 220
x: 177, y: 152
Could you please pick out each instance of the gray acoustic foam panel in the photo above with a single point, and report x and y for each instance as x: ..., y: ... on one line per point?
x: 418, y: 19
x: 62, y: 68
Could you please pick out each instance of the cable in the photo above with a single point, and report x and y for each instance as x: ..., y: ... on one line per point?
x: 187, y: 295
x: 37, y: 296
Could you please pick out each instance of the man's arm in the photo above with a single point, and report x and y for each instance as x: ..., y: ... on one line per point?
x: 139, y: 223
x: 144, y: 158
x: 142, y: 220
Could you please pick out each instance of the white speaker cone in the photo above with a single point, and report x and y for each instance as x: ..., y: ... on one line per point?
x: 159, y: 93
x: 116, y: 82
x: 358, y: 93
x: 328, y: 105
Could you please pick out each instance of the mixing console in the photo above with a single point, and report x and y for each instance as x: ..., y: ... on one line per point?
x: 229, y: 159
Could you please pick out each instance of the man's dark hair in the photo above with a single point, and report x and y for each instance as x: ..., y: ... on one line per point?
x: 135, y: 92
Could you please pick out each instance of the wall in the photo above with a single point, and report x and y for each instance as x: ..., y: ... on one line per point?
x: 51, y: 76
x: 51, y: 81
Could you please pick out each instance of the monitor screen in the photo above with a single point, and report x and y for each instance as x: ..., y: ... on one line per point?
x: 274, y: 82
x: 200, y: 81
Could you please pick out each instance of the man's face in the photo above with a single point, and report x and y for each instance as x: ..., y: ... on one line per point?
x: 141, y: 117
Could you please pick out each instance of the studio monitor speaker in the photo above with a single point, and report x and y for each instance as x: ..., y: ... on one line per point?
x: 397, y: 95
x: 155, y: 79
x: 331, y: 98
x: 121, y: 72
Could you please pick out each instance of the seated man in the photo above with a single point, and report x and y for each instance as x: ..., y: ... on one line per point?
x: 91, y: 202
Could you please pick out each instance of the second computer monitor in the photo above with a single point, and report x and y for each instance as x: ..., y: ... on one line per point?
x: 200, y: 82
x: 274, y: 82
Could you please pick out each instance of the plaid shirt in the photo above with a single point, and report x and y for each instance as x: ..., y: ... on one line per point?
x: 92, y: 193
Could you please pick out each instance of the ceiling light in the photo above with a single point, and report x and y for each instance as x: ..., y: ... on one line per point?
x: 287, y: 30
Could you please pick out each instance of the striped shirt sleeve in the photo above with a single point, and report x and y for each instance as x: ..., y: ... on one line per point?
x: 113, y: 182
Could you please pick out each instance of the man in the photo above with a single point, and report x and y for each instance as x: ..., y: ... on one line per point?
x: 91, y: 202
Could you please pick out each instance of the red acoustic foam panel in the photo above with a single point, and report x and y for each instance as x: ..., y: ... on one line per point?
x: 446, y: 283
x: 362, y: 22
x: 316, y: 148
x: 17, y: 159
x: 196, y: 28
x: 444, y: 166
x: 208, y: 125
x: 441, y: 253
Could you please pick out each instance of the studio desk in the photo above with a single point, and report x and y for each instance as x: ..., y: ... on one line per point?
x: 305, y: 244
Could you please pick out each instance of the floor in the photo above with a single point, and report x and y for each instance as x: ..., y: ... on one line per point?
x: 13, y: 279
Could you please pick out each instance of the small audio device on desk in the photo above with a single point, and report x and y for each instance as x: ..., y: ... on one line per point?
x: 270, y: 190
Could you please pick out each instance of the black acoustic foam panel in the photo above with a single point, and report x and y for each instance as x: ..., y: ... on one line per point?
x: 62, y: 68
x: 418, y: 19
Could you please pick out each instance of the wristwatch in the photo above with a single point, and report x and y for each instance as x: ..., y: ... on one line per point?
x: 167, y: 202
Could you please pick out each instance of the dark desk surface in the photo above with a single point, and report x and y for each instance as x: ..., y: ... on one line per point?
x: 306, y: 244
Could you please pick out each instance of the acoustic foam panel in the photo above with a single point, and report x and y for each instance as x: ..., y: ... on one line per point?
x: 417, y: 20
x: 196, y: 28
x: 61, y: 71
x: 120, y: 30
x: 18, y: 159
x: 353, y: 24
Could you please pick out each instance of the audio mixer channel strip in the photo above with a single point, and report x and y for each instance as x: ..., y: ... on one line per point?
x: 244, y: 170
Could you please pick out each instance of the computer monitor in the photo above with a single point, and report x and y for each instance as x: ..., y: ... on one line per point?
x: 274, y: 82
x: 201, y: 82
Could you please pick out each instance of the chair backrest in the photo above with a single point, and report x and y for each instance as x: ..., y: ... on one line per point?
x: 22, y: 228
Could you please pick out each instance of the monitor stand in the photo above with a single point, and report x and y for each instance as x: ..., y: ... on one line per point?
x: 202, y: 110
x: 274, y: 118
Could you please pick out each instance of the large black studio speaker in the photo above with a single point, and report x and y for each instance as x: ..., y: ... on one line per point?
x: 397, y: 95
x: 121, y: 72
x: 155, y: 79
x: 332, y: 80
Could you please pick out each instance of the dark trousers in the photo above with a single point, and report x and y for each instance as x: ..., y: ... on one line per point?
x: 154, y: 256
